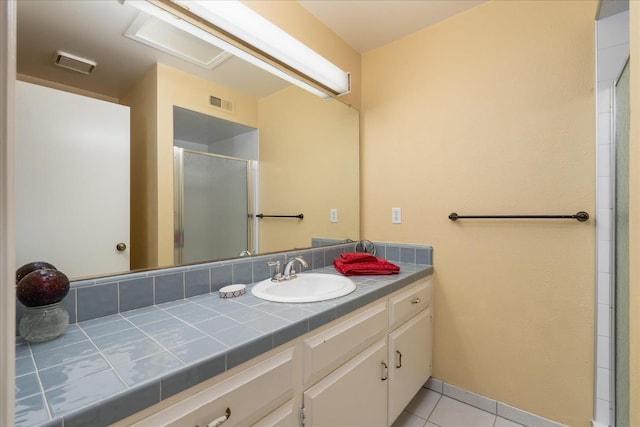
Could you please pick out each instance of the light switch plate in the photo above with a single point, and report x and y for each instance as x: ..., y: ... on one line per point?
x: 396, y: 216
x: 334, y: 215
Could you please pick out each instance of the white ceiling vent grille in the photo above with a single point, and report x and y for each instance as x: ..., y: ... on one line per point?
x: 221, y: 104
x: 75, y: 63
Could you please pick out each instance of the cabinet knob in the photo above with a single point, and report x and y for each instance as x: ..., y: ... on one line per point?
x: 120, y: 247
x: 416, y: 301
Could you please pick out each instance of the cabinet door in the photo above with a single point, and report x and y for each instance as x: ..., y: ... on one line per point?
x: 409, y: 361
x: 353, y: 395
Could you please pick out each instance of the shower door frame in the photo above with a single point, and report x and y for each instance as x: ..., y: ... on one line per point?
x: 178, y: 200
x: 615, y: 398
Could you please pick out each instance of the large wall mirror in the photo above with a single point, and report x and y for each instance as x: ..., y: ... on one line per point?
x: 307, y: 149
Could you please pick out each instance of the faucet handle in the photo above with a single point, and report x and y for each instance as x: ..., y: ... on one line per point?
x: 277, y: 274
x: 276, y: 264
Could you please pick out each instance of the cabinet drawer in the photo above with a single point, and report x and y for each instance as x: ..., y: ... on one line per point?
x: 285, y: 416
x: 410, y: 302
x: 244, y: 395
x: 327, y: 350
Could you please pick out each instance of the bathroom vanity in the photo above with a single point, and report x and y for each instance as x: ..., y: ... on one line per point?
x: 361, y: 369
x: 357, y: 359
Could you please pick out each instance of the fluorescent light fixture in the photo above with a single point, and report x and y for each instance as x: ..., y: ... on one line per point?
x: 254, y: 39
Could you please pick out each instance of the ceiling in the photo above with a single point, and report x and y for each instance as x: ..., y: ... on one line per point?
x: 368, y: 24
x: 94, y: 30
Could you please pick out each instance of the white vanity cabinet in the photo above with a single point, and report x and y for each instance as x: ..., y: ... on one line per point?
x: 359, y: 370
x: 373, y: 387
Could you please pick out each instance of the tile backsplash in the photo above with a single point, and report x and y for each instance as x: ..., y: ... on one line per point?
x: 93, y: 298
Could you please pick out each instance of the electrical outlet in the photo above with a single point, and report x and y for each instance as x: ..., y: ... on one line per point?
x: 334, y: 215
x: 396, y: 216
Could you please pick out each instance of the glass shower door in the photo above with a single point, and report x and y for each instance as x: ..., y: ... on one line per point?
x: 621, y: 249
x: 212, y: 206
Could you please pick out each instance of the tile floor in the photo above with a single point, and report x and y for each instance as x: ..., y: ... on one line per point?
x: 432, y: 409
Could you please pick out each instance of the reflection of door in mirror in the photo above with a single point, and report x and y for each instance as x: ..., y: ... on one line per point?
x: 214, y: 162
x: 72, y: 181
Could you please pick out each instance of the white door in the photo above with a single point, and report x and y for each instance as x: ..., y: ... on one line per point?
x: 72, y: 181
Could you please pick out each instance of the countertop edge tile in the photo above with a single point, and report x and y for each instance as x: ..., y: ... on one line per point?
x: 113, y: 408
x: 192, y: 374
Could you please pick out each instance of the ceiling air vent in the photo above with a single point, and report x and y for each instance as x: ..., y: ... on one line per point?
x: 75, y: 63
x: 221, y: 104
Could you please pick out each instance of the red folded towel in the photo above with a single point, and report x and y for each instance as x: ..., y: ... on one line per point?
x: 380, y: 266
x: 354, y: 257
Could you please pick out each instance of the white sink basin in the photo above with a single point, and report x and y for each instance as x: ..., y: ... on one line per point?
x: 307, y: 287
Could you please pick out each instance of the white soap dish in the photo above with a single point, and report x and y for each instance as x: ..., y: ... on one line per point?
x: 232, y: 291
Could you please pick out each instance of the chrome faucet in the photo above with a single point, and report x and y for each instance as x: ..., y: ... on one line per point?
x: 289, y: 269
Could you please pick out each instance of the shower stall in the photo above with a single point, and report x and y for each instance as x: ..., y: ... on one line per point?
x: 611, y: 397
x: 215, y: 165
x: 212, y: 206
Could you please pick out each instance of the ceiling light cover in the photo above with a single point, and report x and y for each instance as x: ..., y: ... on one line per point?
x: 244, y: 23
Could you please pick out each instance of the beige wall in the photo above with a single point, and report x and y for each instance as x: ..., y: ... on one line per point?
x: 634, y: 217
x: 308, y: 166
x: 142, y: 99
x: 492, y: 112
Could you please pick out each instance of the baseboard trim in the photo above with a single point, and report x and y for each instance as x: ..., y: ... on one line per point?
x: 492, y: 406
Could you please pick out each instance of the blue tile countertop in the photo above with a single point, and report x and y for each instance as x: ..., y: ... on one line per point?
x: 108, y: 368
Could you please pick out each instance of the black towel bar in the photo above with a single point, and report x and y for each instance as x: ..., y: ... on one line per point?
x: 580, y: 216
x: 280, y: 216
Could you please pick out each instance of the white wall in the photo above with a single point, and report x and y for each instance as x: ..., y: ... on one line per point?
x: 244, y: 146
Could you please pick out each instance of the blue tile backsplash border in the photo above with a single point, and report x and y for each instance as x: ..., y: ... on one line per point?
x: 104, y: 296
